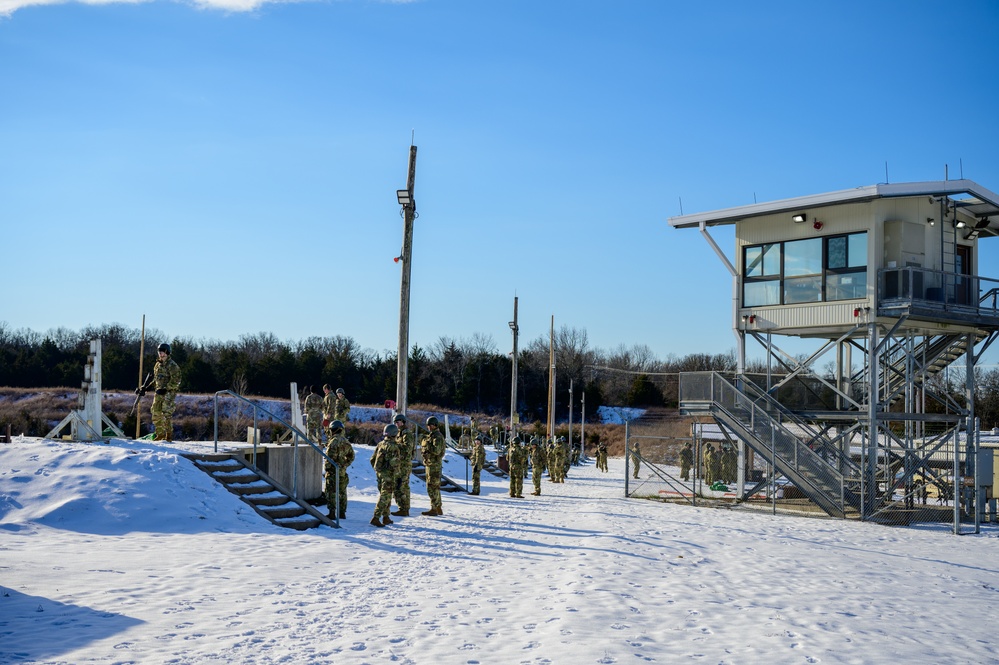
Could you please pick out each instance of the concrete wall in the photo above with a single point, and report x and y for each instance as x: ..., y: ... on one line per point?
x: 278, y: 462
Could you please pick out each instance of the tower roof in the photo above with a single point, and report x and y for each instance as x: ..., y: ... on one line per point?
x: 968, y: 195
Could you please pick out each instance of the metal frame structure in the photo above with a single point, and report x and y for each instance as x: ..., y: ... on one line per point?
x: 873, y: 440
x: 86, y: 421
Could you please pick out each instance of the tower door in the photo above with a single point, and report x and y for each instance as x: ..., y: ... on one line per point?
x: 962, y: 281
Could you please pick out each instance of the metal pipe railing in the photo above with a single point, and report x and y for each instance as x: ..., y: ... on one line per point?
x: 298, y: 434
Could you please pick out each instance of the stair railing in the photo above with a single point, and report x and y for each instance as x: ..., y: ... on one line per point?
x: 297, y: 435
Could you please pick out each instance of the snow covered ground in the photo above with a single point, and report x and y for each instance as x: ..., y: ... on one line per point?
x: 124, y: 553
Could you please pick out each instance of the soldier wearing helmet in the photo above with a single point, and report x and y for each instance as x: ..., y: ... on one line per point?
x: 478, y: 460
x: 517, y: 456
x: 407, y: 451
x: 313, y: 404
x: 341, y: 407
x: 385, y: 461
x: 338, y: 449
x: 165, y: 381
x: 432, y: 447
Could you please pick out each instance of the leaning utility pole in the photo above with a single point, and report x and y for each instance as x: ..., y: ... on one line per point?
x: 551, y: 380
x: 513, y: 382
x: 408, y: 204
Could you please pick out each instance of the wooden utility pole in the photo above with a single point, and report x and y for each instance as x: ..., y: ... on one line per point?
x: 408, y: 215
x: 551, y: 380
x: 513, y: 381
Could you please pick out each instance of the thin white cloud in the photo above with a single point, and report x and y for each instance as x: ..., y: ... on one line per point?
x: 8, y: 7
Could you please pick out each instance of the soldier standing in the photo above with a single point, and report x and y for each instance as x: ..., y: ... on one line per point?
x: 339, y: 450
x: 385, y: 462
x: 602, y: 456
x: 729, y: 465
x: 328, y: 398
x: 407, y: 450
x: 518, y: 461
x: 709, y: 465
x: 636, y: 458
x: 537, y: 464
x: 432, y: 448
x: 686, y: 460
x: 313, y: 414
x: 478, y: 460
x: 341, y: 407
x: 165, y: 381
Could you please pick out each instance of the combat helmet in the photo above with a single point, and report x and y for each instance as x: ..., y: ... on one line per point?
x: 432, y: 420
x: 164, y: 347
x: 391, y: 430
x: 336, y: 425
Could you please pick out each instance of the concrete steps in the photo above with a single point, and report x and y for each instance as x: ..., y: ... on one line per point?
x: 267, y: 498
x: 447, y: 485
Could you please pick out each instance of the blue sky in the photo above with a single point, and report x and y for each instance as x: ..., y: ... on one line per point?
x: 232, y: 169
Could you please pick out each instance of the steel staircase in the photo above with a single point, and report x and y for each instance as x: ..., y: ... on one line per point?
x: 753, y: 420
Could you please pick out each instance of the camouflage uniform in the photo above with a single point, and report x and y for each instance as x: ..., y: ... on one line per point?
x: 407, y: 450
x: 554, y: 466
x: 537, y: 464
x: 166, y: 377
x: 709, y: 465
x: 478, y: 460
x: 729, y: 465
x: 432, y: 447
x: 518, y: 462
x: 338, y: 449
x: 636, y: 459
x: 329, y: 397
x: 385, y: 462
x: 314, y: 416
x: 686, y: 460
x: 341, y: 408
x: 602, y: 456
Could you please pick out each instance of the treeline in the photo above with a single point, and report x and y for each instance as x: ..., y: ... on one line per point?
x: 469, y: 375
x: 466, y: 375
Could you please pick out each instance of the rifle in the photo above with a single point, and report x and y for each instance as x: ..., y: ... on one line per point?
x: 140, y: 391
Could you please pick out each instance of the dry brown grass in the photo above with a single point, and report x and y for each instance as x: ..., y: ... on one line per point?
x: 35, y: 411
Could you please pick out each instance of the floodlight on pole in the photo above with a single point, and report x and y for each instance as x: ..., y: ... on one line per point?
x: 404, y: 196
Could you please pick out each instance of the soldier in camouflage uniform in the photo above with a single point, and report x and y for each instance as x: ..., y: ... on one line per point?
x: 554, y: 466
x: 537, y: 457
x: 313, y: 414
x: 729, y: 465
x: 432, y: 447
x: 477, y: 460
x: 338, y: 449
x: 601, y: 455
x: 636, y: 458
x: 341, y: 407
x: 385, y: 462
x: 407, y: 450
x: 709, y: 465
x: 686, y: 460
x: 518, y: 462
x: 165, y: 381
x: 328, y: 399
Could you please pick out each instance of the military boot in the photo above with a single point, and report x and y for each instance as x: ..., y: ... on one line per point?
x: 386, y: 521
x: 375, y: 522
x: 343, y: 514
x: 401, y: 513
